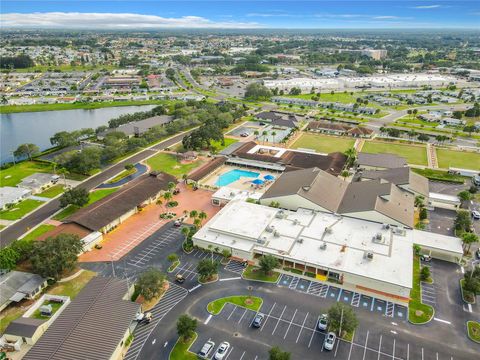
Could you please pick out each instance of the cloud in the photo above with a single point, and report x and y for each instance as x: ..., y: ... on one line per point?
x: 113, y: 21
x: 385, y: 17
x: 427, y: 6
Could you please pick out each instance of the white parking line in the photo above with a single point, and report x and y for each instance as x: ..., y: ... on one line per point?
x: 273, y: 332
x: 442, y: 321
x: 293, y: 317
x: 208, y: 319
x: 241, y: 357
x: 242, y: 316
x: 365, y: 347
x: 268, y: 316
x: 298, y: 337
x: 313, y: 332
x: 227, y: 355
x: 229, y: 316
x: 393, y: 354
x: 379, y: 347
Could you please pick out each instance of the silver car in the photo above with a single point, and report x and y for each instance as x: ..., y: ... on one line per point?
x: 329, y: 341
x: 323, y: 322
x: 206, y: 349
x: 222, y: 351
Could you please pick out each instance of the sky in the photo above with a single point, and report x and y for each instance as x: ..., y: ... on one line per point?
x: 239, y: 14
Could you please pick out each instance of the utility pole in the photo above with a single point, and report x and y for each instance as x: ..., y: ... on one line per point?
x: 113, y: 267
x: 341, y: 321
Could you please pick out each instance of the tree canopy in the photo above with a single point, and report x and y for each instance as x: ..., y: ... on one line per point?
x: 150, y: 283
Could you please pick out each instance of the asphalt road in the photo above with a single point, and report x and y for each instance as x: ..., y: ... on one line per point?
x: 14, y: 231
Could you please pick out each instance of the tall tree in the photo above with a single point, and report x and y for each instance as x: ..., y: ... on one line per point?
x: 26, y: 150
x: 150, y: 283
x: 76, y: 196
x: 186, y: 326
x: 342, y: 318
x: 268, y: 263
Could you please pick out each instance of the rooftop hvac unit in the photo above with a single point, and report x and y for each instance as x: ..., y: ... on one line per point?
x: 260, y: 241
x: 269, y: 229
x: 323, y: 246
x: 276, y: 233
x: 295, y: 221
x: 385, y: 226
x: 369, y: 255
x: 328, y: 229
x: 280, y: 214
x: 300, y: 241
x: 378, y: 238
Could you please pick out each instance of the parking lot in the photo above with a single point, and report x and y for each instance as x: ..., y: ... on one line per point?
x: 295, y: 330
x: 429, y: 295
x: 441, y: 221
x: 334, y: 293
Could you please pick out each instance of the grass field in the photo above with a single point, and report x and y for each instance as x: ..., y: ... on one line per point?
x: 8, y: 109
x: 20, y: 209
x: 415, y: 154
x: 416, y: 298
x: 323, y: 143
x: 248, y: 302
x: 440, y: 175
x: 55, y: 307
x: 52, y: 191
x: 14, y: 175
x: 72, y: 288
x: 94, y: 196
x: 180, y: 350
x: 474, y: 330
x: 168, y: 163
x: 458, y: 159
x: 42, y: 229
x: 217, y: 146
x: 255, y: 273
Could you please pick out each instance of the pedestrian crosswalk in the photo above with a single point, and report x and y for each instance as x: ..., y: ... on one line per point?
x: 389, y: 311
x: 294, y: 283
x: 172, y: 297
x: 235, y: 266
x: 356, y: 299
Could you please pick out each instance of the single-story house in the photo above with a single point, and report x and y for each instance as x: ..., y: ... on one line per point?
x: 18, y: 285
x: 12, y: 195
x: 137, y: 128
x: 38, y: 182
x: 95, y: 325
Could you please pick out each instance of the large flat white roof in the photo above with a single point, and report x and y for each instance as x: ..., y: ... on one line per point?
x: 301, y: 236
x: 438, y: 241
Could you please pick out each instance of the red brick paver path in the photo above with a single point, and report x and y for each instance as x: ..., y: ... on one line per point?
x: 143, y: 224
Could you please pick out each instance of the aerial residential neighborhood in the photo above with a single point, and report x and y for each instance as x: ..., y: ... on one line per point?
x: 235, y: 180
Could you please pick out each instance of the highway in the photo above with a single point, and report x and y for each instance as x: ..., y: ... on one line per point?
x: 14, y: 231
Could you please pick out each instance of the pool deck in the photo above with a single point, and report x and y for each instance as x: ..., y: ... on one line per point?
x: 243, y: 183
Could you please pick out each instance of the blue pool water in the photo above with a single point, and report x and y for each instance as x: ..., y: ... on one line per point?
x: 233, y: 175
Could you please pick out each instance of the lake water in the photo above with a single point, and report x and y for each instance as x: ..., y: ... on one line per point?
x: 38, y: 127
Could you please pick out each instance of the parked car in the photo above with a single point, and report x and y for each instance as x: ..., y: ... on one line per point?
x: 323, y: 322
x: 176, y: 191
x: 206, y: 349
x: 477, y: 253
x: 179, y: 278
x: 177, y: 223
x: 426, y: 258
x: 222, y: 351
x: 244, y: 134
x: 476, y: 180
x: 329, y: 341
x: 258, y: 320
x: 476, y: 214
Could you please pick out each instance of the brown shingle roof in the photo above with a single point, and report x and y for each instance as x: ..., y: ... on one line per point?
x: 313, y: 125
x: 91, y: 326
x: 206, y: 169
x: 400, y: 176
x: 103, y: 212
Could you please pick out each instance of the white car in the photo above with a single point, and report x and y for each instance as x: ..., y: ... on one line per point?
x: 222, y: 351
x: 476, y: 214
x: 329, y: 341
x: 323, y: 322
x: 426, y: 258
x: 206, y: 349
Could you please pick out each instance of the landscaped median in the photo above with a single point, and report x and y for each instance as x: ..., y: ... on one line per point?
x: 181, y: 349
x: 248, y: 302
x: 473, y: 331
x: 418, y: 313
x: 255, y: 273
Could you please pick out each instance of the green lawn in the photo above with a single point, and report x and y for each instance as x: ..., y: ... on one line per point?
x: 474, y: 330
x: 416, y: 298
x: 122, y: 175
x: 94, y: 196
x: 72, y: 288
x: 168, y: 163
x: 52, y: 191
x: 323, y: 143
x: 440, y: 175
x: 9, y: 314
x: 217, y: 146
x: 14, y: 175
x: 216, y: 306
x: 180, y: 350
x: 55, y: 307
x: 42, y: 229
x: 20, y: 209
x: 459, y: 159
x: 254, y: 273
x: 414, y: 154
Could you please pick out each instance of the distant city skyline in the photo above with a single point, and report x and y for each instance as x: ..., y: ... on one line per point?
x: 234, y: 14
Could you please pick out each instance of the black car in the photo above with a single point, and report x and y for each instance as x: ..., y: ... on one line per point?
x: 258, y: 320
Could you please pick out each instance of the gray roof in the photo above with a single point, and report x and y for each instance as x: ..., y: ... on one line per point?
x: 36, y: 180
x: 143, y: 125
x: 400, y: 176
x: 91, y: 327
x: 386, y: 161
x: 24, y: 327
x: 232, y: 148
x: 14, y: 284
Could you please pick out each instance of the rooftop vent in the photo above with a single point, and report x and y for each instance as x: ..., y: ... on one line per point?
x: 323, y: 246
x: 295, y: 221
x: 385, y: 226
x: 269, y: 229
x: 276, y: 233
x: 369, y: 256
x: 280, y: 214
x: 328, y: 229
x: 378, y: 238
x: 306, y: 188
x: 300, y: 241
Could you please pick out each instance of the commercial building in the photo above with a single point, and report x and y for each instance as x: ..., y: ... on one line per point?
x: 374, y: 200
x: 368, y: 161
x: 137, y: 128
x: 93, y: 326
x: 361, y: 256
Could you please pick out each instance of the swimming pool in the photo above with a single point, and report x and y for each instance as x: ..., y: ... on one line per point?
x: 233, y: 175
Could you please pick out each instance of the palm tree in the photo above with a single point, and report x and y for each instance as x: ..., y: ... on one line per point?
x: 273, y: 135
x: 167, y: 196
x: 63, y: 172
x: 351, y: 156
x: 202, y: 216
x: 256, y: 133
x: 469, y: 239
x: 264, y: 134
x: 186, y: 232
x: 193, y: 214
x: 171, y: 185
x: 197, y: 222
